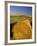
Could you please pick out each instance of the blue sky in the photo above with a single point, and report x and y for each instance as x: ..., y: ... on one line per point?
x: 21, y: 10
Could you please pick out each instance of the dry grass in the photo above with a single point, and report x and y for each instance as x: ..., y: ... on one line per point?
x: 22, y: 29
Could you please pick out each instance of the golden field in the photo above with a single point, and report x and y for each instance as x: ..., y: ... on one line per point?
x: 23, y: 27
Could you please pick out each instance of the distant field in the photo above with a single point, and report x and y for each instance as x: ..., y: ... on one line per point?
x: 14, y: 19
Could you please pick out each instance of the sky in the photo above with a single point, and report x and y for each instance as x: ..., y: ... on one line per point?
x: 21, y: 10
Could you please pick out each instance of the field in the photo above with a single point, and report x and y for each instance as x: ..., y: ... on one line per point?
x: 19, y: 26
x: 16, y: 18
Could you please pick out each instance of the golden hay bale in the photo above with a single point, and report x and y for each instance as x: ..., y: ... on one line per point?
x: 22, y: 30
